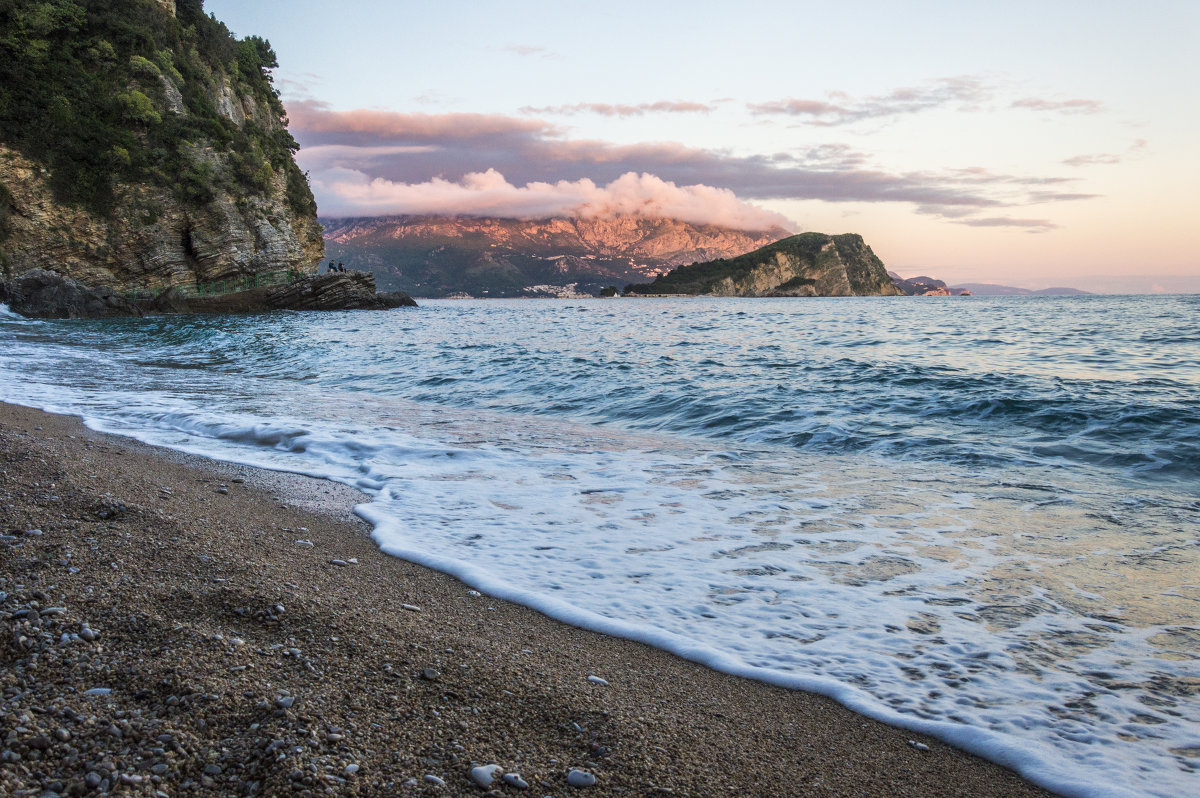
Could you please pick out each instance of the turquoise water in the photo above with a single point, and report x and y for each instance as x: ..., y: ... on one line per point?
x: 976, y: 517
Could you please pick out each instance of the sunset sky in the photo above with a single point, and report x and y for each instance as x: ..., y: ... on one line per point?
x: 1028, y: 143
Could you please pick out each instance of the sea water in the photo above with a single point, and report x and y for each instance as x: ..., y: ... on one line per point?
x: 974, y: 517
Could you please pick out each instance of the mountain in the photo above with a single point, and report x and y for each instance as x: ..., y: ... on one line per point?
x: 143, y: 147
x: 925, y: 286
x: 988, y: 289
x: 809, y: 264
x: 437, y: 256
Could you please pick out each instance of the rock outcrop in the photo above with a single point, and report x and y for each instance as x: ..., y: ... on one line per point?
x: 809, y: 264
x: 440, y: 256
x: 48, y: 295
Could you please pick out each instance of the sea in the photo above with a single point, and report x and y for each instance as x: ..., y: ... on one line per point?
x: 973, y: 517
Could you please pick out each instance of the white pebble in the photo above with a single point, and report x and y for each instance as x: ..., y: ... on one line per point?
x: 484, y: 775
x: 515, y: 780
x: 918, y: 746
x: 598, y: 680
x: 432, y: 779
x: 580, y: 778
x: 307, y: 543
x: 411, y: 607
x: 98, y: 691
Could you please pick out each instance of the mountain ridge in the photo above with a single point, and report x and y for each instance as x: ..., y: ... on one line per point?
x: 494, y: 256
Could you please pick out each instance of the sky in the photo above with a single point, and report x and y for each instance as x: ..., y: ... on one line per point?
x: 1024, y: 143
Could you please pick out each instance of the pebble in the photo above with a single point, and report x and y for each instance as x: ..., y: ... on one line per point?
x: 410, y: 607
x: 221, y: 490
x: 918, y: 746
x: 88, y: 634
x: 430, y: 674
x: 352, y: 770
x: 306, y: 543
x: 432, y: 779
x: 484, y: 775
x: 515, y: 780
x: 285, y: 701
x: 341, y: 563
x: 580, y: 778
x: 98, y: 691
x: 598, y: 680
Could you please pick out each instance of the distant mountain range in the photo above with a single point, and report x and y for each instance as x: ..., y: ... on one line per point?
x: 988, y: 289
x: 929, y: 286
x: 435, y: 256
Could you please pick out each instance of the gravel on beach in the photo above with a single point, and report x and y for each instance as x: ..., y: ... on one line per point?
x: 173, y: 626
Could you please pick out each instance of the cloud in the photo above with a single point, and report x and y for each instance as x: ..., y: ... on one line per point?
x: 1092, y: 160
x: 1030, y: 225
x: 353, y: 149
x: 605, y: 109
x: 1064, y: 106
x: 490, y: 194
x: 526, y: 50
x: 1106, y: 158
x: 963, y: 92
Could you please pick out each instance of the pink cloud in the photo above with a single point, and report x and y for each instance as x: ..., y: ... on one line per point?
x: 316, y: 118
x: 1077, y: 106
x: 349, y: 192
x: 606, y: 109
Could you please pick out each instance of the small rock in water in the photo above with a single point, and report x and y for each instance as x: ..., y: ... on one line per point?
x: 484, y: 775
x: 515, y: 780
x: 580, y: 778
x: 432, y: 779
x: 598, y: 680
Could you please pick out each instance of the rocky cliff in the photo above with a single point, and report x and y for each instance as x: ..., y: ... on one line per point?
x: 436, y: 256
x: 809, y: 264
x: 143, y: 147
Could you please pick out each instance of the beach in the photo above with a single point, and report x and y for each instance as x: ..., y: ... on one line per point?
x: 168, y: 632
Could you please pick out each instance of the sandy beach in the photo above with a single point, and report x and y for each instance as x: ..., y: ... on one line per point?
x: 176, y: 626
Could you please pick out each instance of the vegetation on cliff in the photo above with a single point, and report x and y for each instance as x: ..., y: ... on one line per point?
x: 809, y: 264
x: 109, y: 92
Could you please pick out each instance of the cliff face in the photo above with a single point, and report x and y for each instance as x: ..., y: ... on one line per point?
x: 810, y: 264
x: 152, y: 239
x: 146, y: 161
x: 435, y: 256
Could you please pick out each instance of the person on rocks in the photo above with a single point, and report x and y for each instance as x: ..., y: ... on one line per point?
x: 341, y: 268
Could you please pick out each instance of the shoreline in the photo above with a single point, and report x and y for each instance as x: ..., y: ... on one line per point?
x: 243, y: 662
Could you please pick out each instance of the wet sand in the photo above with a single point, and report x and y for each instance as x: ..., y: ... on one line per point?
x: 223, y: 657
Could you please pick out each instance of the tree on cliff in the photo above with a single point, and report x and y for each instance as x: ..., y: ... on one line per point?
x: 110, y: 92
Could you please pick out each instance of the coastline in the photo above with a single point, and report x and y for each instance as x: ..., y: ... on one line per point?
x: 240, y: 661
